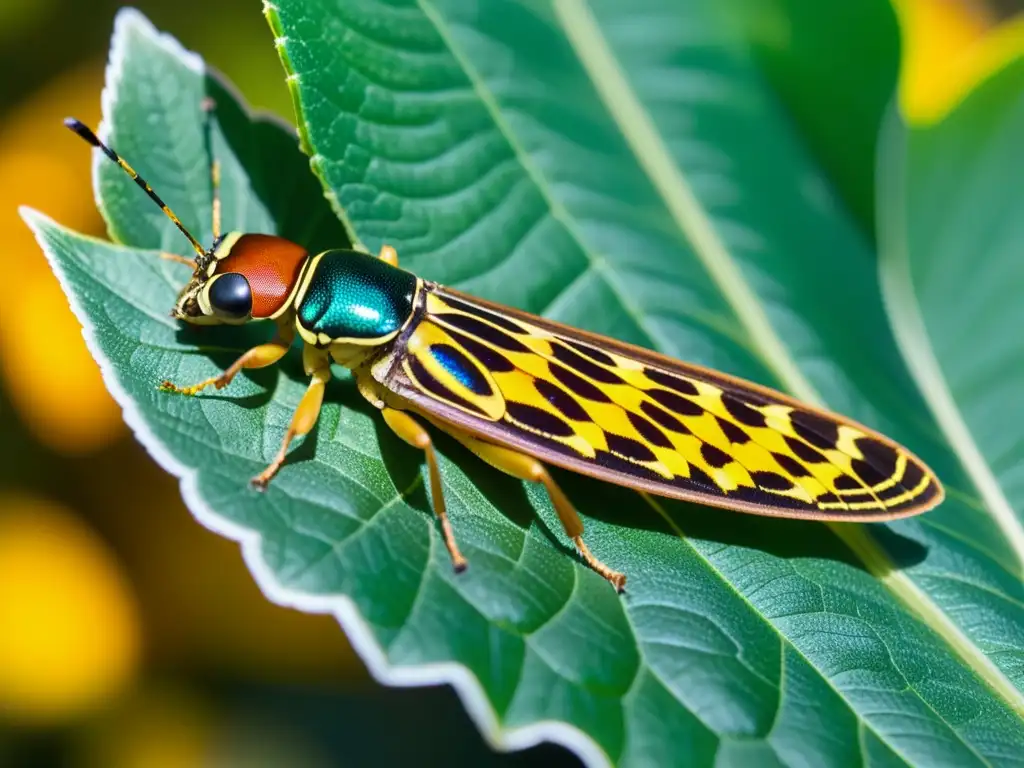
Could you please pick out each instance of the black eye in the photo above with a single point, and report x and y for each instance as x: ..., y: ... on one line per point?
x: 230, y: 296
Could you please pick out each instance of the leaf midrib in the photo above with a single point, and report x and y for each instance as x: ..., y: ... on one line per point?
x: 581, y: 28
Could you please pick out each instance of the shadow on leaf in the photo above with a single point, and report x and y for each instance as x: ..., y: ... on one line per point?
x: 780, y: 537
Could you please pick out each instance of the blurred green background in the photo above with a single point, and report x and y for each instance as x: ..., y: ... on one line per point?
x: 130, y: 635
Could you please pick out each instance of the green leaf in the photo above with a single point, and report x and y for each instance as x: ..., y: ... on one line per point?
x: 952, y: 237
x: 153, y: 83
x: 834, y: 66
x: 626, y: 170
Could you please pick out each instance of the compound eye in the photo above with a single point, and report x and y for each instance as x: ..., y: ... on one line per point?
x: 230, y: 296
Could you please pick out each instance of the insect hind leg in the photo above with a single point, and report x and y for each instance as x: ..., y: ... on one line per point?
x: 412, y: 432
x: 526, y: 467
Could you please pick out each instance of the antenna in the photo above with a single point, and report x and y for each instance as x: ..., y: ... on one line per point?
x: 83, y: 131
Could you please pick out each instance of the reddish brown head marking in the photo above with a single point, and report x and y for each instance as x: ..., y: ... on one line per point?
x: 271, y: 265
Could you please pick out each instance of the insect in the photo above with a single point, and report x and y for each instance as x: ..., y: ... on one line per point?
x: 522, y: 392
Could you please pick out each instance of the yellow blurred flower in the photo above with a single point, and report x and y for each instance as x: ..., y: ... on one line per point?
x: 70, y: 638
x: 158, y: 726
x: 949, y: 46
x: 47, y: 372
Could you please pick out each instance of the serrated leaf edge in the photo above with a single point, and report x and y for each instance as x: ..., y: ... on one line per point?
x: 125, y: 21
x: 292, y: 81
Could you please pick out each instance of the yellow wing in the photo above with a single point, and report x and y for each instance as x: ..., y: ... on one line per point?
x: 635, y: 418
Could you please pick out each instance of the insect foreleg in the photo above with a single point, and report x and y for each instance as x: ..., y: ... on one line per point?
x: 258, y: 357
x: 528, y: 468
x: 318, y: 366
x: 412, y: 432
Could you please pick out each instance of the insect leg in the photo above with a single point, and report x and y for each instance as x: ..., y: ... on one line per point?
x: 258, y: 357
x: 209, y: 105
x: 412, y: 432
x: 388, y: 255
x: 318, y: 366
x: 179, y: 259
x: 215, y: 183
x: 528, y: 468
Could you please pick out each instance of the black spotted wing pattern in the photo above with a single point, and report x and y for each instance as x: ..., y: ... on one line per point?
x: 630, y: 416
